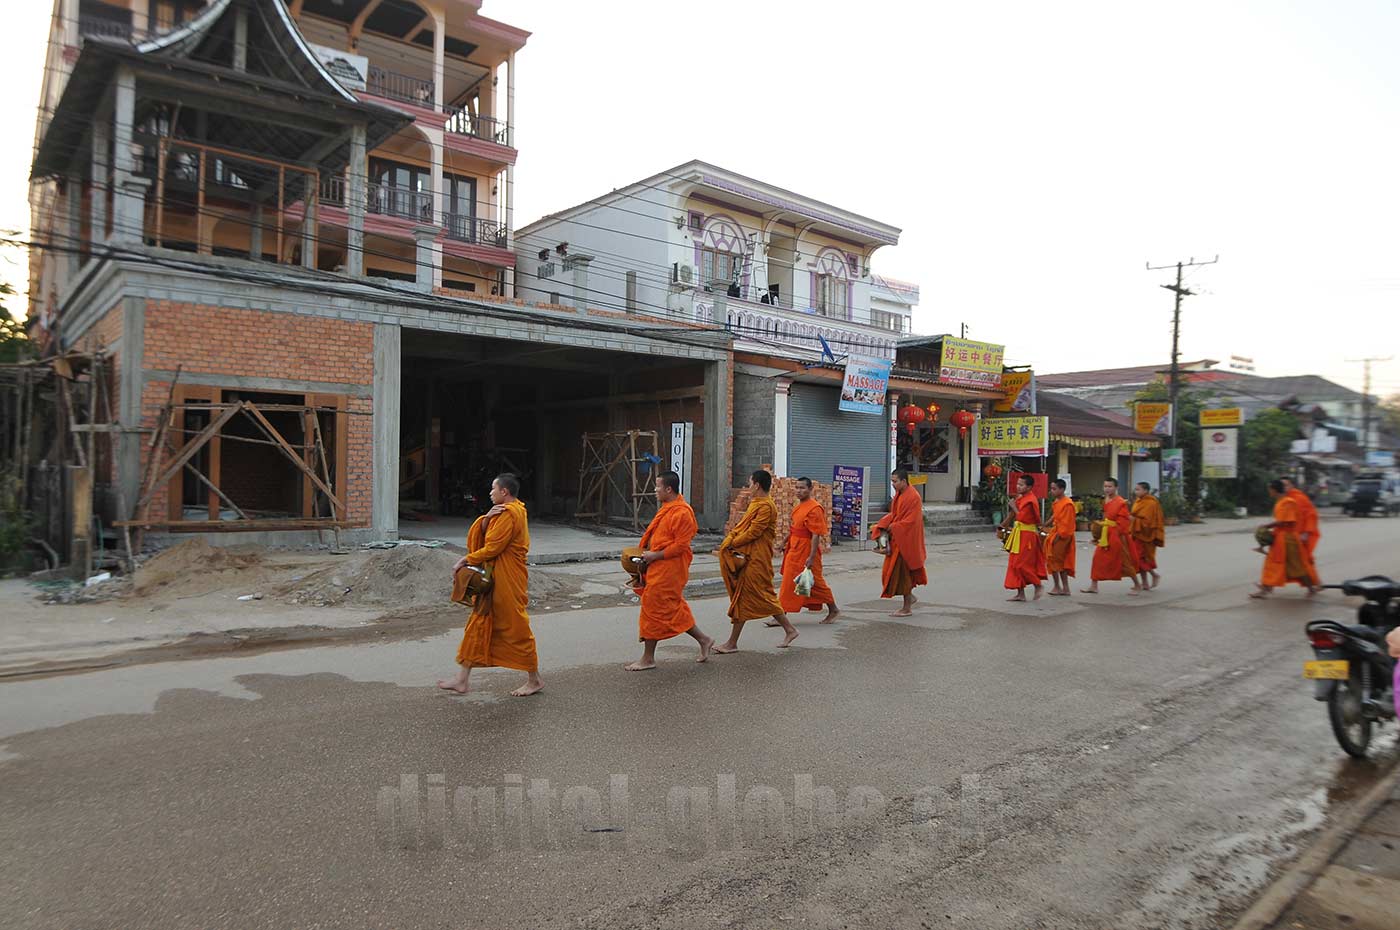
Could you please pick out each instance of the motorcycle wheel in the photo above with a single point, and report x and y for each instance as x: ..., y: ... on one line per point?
x: 1352, y: 730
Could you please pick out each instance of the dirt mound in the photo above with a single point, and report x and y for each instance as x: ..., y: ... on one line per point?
x: 195, y: 567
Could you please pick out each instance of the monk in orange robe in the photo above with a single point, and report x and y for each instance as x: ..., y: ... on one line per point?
x: 1059, y: 542
x: 1025, y: 558
x: 666, y: 556
x: 1288, y: 560
x: 802, y: 551
x: 498, y: 631
x: 1113, y: 559
x: 1307, y: 517
x: 904, y: 560
x: 746, y: 563
x: 1147, y: 533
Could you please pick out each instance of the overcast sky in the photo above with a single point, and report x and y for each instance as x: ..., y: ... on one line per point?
x: 1036, y: 155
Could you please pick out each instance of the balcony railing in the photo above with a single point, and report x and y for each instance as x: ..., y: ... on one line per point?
x: 472, y: 229
x: 96, y: 26
x: 381, y: 199
x: 384, y: 83
x: 463, y: 122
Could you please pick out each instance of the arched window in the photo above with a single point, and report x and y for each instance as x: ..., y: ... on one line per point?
x: 831, y: 285
x: 722, y: 255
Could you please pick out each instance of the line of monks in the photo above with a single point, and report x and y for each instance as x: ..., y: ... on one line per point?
x: 498, y: 631
x: 1125, y: 542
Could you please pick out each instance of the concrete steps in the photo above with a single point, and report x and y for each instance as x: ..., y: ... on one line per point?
x: 949, y: 520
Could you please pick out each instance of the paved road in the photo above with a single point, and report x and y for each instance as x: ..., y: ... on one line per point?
x: 1117, y: 763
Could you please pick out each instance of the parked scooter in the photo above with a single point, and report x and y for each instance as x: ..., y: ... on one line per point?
x: 1353, y: 671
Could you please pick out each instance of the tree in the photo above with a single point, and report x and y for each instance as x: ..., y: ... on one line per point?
x: 1266, y: 442
x: 1389, y: 412
x: 14, y: 343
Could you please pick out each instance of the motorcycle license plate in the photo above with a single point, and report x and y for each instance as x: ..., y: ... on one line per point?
x: 1338, y: 669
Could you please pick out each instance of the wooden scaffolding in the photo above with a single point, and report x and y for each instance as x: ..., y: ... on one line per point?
x: 617, y: 465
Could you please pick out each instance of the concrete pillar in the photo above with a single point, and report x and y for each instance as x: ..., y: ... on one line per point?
x: 1062, y: 462
x: 101, y: 179
x: 782, y: 389
x: 439, y: 55
x: 508, y: 217
x: 129, y: 412
x: 356, y: 198
x: 128, y: 202
x: 309, y: 238
x: 544, y: 460
x: 1112, y: 463
x: 719, y: 430
x: 423, y: 239
x: 388, y: 372
x: 255, y: 234
x: 582, y: 295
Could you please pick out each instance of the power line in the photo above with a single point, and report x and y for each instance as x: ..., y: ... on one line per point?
x: 1180, y: 292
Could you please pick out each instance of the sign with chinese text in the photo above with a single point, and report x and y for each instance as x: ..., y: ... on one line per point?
x: 1013, y: 436
x: 1153, y: 419
x: 1219, y: 453
x: 1222, y: 416
x: 970, y: 364
x: 1017, y: 392
x: 848, y: 500
x: 867, y: 380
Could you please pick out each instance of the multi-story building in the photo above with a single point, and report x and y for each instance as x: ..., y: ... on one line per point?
x: 306, y: 204
x: 787, y: 275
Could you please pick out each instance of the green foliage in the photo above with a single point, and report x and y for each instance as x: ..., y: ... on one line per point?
x: 15, y: 523
x: 992, y: 491
x: 1174, y: 504
x: 1093, y: 506
x: 14, y: 343
x: 1265, y: 443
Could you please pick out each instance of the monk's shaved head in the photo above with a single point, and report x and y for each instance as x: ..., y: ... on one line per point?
x: 763, y: 479
x: 805, y: 482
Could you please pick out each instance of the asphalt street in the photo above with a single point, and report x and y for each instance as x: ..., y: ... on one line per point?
x: 1112, y: 762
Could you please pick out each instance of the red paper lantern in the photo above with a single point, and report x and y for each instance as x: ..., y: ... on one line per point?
x: 993, y: 470
x: 911, y: 417
x: 933, y: 409
x: 964, y: 419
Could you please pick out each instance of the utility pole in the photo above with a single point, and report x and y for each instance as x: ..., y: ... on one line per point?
x: 1173, y: 386
x: 1366, y: 402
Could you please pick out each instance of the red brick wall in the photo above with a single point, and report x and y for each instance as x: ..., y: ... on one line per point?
x: 261, y: 344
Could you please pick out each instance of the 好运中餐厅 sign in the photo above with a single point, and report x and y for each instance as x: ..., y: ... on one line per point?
x: 970, y: 364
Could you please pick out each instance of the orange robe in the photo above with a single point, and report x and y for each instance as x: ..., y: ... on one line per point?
x: 749, y: 580
x: 1112, y: 558
x: 809, y: 524
x: 1059, y: 545
x: 1148, y: 532
x: 498, y: 631
x: 1288, y: 559
x: 1307, y: 520
x: 664, y: 610
x: 904, y: 563
x: 1025, y: 559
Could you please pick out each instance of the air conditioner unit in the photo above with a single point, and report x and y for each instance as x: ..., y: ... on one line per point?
x: 682, y: 273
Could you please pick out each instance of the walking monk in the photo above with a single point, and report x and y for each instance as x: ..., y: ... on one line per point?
x: 746, y: 562
x: 1288, y: 559
x: 802, y: 551
x: 1112, y: 558
x: 904, y: 560
x: 1147, y: 533
x: 1307, y: 517
x: 1025, y: 559
x: 1059, y: 543
x: 667, y: 557
x: 498, y: 631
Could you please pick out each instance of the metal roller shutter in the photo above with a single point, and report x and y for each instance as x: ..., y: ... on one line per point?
x: 821, y: 437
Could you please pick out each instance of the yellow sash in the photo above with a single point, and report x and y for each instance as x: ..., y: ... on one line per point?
x: 1013, y: 539
x: 1103, y: 532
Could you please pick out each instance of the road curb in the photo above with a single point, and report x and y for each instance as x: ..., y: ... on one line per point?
x: 1279, y: 896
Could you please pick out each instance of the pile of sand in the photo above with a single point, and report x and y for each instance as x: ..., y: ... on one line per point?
x: 194, y: 567
x: 403, y: 577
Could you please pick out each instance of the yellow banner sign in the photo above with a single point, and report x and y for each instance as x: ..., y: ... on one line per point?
x: 1017, y: 392
x: 970, y: 364
x: 1153, y: 419
x: 1223, y: 416
x: 1013, y: 436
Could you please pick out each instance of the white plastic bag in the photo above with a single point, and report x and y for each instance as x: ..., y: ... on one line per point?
x: 803, y: 582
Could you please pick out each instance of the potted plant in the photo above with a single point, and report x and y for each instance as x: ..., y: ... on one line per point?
x: 1090, y: 508
x: 1173, y: 507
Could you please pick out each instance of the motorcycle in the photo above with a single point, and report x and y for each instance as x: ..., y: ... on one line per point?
x: 1353, y: 672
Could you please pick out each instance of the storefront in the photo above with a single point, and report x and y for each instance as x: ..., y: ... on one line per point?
x: 820, y: 436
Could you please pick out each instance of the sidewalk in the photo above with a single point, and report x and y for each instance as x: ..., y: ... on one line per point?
x: 1349, y: 879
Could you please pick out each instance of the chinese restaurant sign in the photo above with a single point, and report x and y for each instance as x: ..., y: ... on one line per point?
x: 1153, y: 419
x: 1222, y: 416
x: 970, y: 364
x: 1013, y: 436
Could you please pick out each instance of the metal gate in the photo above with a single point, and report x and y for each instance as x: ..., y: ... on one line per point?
x: 821, y: 437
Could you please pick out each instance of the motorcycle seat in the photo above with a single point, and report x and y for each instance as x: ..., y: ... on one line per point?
x: 1369, y: 633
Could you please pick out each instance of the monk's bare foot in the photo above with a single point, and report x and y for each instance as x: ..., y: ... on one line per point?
x: 1088, y: 590
x: 788, y: 640
x: 450, y: 684
x: 527, y: 689
x: 1135, y: 591
x: 831, y: 615
x: 771, y: 623
x: 706, y: 645
x: 1156, y: 579
x: 1018, y: 597
x: 1059, y: 594
x: 1259, y: 593
x: 640, y: 666
x: 1038, y: 592
x: 902, y: 613
x: 725, y: 649
x: 913, y: 600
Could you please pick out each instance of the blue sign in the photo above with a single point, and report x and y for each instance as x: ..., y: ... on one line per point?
x: 848, y: 501
x: 866, y: 382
